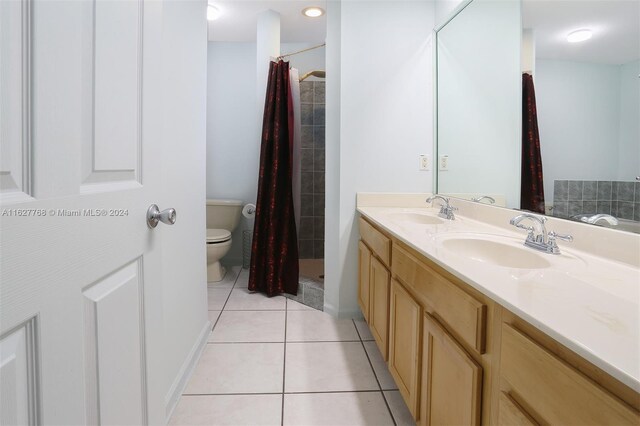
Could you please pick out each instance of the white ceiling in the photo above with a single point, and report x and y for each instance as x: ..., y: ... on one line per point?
x: 615, y: 25
x: 239, y: 18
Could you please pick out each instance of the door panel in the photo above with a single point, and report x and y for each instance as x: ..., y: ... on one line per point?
x: 379, y: 306
x: 15, y: 114
x: 113, y: 152
x: 80, y: 265
x: 364, y: 266
x: 404, y: 344
x: 113, y: 321
x: 17, y: 369
x: 451, y: 381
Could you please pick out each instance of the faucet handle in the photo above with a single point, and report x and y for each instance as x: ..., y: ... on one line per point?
x: 552, y: 245
x: 554, y: 235
x: 521, y: 226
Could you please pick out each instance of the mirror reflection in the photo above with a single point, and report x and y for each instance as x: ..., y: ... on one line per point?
x: 574, y: 151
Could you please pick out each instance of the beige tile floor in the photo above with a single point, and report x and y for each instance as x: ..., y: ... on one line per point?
x: 273, y: 361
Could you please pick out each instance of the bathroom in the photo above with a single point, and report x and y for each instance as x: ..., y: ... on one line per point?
x: 431, y: 288
x: 232, y: 129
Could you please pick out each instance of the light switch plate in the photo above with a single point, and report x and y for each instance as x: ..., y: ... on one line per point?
x: 424, y: 162
x: 443, y: 163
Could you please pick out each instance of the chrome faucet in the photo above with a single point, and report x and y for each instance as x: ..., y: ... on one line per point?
x: 484, y: 197
x: 537, y: 236
x: 598, y: 217
x: 446, y: 209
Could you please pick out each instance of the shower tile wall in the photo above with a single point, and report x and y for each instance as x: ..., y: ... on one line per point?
x: 619, y: 199
x: 311, y: 234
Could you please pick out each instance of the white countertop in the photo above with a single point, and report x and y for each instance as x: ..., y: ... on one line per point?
x: 588, y: 303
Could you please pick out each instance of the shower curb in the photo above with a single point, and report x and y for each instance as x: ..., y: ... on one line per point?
x: 310, y: 293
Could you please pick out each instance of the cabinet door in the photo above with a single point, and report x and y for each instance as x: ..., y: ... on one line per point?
x: 451, y: 379
x: 404, y: 344
x: 379, y: 307
x: 364, y: 264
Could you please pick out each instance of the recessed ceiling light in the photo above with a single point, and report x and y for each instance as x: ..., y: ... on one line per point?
x: 213, y: 13
x: 313, y: 12
x: 579, y: 35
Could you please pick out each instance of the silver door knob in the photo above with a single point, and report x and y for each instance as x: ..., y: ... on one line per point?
x: 154, y: 215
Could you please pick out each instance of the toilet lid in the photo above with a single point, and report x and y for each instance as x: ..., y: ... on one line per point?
x: 218, y: 235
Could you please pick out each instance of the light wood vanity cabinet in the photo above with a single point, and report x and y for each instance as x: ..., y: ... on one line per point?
x: 405, y: 344
x: 451, y: 379
x: 379, y: 284
x: 510, y: 413
x: 460, y: 358
x: 374, y: 283
x: 364, y: 288
x: 550, y: 391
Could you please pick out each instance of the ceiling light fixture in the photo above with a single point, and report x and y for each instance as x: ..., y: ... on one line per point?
x: 213, y: 13
x: 579, y: 35
x: 313, y: 12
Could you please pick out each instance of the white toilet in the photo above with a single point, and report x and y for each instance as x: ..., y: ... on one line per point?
x: 223, y: 216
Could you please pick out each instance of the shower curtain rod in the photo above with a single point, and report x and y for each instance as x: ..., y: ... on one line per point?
x: 301, y: 51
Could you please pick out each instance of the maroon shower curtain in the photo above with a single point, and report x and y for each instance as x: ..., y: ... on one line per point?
x: 274, y: 250
x: 531, y: 182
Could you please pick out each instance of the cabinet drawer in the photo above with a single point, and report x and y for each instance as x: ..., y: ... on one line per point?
x: 551, y: 391
x: 379, y: 244
x: 465, y: 315
x: 509, y: 413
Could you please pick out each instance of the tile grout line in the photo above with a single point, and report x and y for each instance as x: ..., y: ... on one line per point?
x: 297, y: 341
x: 243, y: 343
x: 225, y: 302
x: 384, y: 398
x: 217, y: 319
x: 284, y: 360
x: 285, y: 393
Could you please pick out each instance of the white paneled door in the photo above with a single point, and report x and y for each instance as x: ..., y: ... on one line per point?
x: 80, y: 156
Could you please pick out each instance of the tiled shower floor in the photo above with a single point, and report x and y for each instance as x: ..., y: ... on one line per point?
x: 312, y: 269
x: 273, y: 361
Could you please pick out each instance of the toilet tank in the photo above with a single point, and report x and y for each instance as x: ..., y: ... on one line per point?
x: 223, y: 214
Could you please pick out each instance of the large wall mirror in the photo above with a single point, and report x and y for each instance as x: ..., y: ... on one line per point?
x: 538, y: 106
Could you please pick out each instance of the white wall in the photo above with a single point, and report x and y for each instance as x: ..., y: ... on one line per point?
x: 384, y: 101
x: 528, y: 53
x: 233, y: 143
x: 233, y: 149
x: 629, y: 137
x: 444, y: 9
x: 479, y: 100
x: 307, y: 61
x: 579, y: 120
x: 184, y: 279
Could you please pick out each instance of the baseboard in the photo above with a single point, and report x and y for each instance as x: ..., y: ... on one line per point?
x: 329, y: 309
x: 177, y: 388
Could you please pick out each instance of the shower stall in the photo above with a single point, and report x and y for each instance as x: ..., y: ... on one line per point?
x: 312, y: 189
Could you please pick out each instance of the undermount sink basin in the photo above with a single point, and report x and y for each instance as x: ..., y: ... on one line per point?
x: 418, y: 218
x: 497, y: 253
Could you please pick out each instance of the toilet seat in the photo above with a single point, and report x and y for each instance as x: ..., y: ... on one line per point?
x: 215, y: 236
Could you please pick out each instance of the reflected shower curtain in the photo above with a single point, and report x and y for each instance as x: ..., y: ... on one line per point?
x: 531, y: 182
x: 274, y: 250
